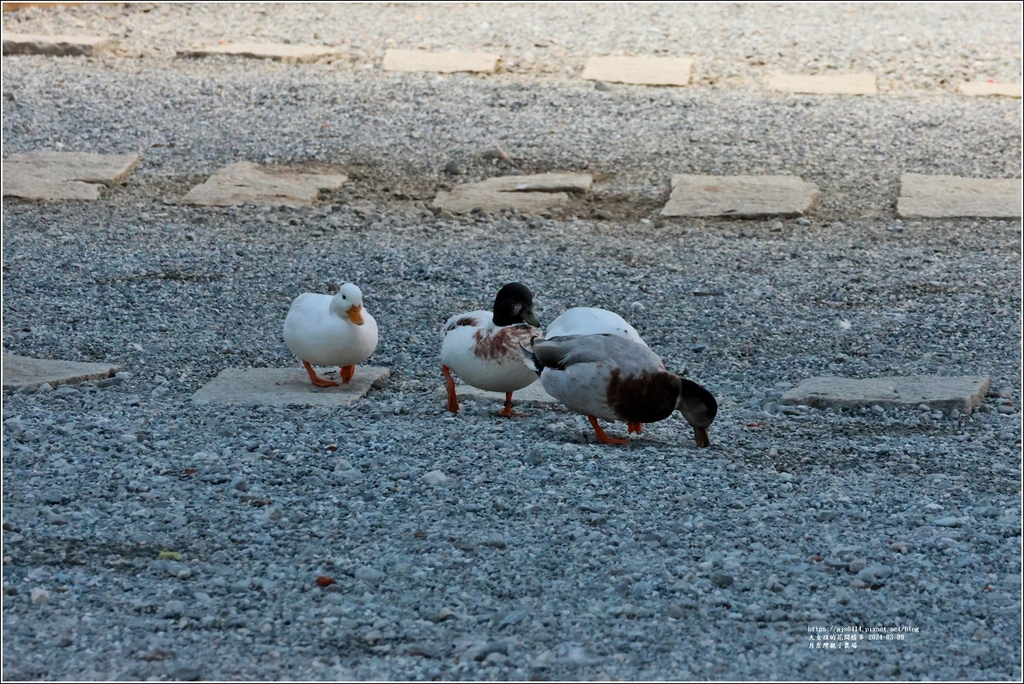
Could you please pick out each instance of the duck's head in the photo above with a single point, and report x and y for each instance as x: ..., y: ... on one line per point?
x: 699, y: 408
x: 348, y: 303
x: 514, y: 304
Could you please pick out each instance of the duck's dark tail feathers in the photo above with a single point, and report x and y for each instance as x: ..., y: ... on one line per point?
x: 530, y: 358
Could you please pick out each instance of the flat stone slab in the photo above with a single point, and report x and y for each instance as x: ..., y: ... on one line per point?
x: 286, y: 386
x: 938, y: 392
x: 24, y: 371
x: 663, y: 71
x: 56, y: 46
x: 955, y: 197
x: 245, y: 182
x: 528, y: 194
x: 982, y: 89
x: 739, y: 196
x: 63, y: 175
x: 442, y: 62
x: 531, y: 394
x: 282, y: 52
x: 840, y: 84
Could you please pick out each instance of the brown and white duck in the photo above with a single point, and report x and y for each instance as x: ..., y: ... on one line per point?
x: 485, y: 348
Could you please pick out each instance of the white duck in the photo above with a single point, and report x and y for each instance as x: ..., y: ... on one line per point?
x: 610, y: 377
x: 484, y: 348
x: 588, y: 320
x: 330, y: 331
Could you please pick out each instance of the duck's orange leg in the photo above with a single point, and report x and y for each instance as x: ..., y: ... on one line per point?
x: 635, y: 426
x: 449, y: 383
x: 346, y: 373
x: 602, y: 436
x: 317, y: 380
x: 507, y: 412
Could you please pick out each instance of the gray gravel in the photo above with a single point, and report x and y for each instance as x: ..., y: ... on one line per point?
x: 147, y: 538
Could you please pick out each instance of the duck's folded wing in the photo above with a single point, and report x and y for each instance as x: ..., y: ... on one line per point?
x: 545, y: 354
x: 568, y: 350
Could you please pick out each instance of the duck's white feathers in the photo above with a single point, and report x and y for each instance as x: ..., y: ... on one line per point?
x: 485, y: 355
x: 315, y: 332
x: 587, y: 320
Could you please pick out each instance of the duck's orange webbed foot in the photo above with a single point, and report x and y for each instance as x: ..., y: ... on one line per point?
x: 635, y: 427
x: 316, y: 379
x: 602, y: 436
x: 449, y: 383
x: 507, y: 412
x: 347, y: 372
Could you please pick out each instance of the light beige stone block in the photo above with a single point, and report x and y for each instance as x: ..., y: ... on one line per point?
x: 838, y: 84
x: 739, y: 196
x: 287, y: 386
x: 56, y: 46
x: 531, y: 394
x: 527, y: 194
x: 665, y: 71
x: 63, y: 175
x: 24, y: 371
x: 281, y: 52
x: 246, y: 182
x: 981, y: 89
x: 963, y: 393
x: 442, y: 62
x: 955, y: 197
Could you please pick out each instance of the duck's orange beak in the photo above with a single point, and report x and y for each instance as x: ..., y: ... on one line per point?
x: 355, y: 314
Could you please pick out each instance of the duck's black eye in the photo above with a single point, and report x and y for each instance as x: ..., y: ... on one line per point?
x: 344, y: 297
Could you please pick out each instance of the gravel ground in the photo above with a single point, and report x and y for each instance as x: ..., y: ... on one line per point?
x: 538, y: 554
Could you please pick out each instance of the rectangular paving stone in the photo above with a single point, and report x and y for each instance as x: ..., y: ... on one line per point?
x: 441, y: 62
x: 63, y: 175
x: 740, y: 196
x: 945, y: 393
x: 286, y: 386
x: 982, y: 89
x: 56, y: 46
x: 24, y: 371
x: 14, y: 6
x: 838, y: 84
x: 668, y: 71
x: 27, y: 187
x: 954, y: 197
x: 531, y: 394
x: 282, y: 52
x: 528, y: 194
x: 246, y: 182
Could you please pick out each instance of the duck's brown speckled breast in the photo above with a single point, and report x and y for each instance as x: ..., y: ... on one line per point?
x: 503, y: 342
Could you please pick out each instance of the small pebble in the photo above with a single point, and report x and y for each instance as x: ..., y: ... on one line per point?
x: 856, y: 565
x: 172, y: 610
x: 496, y: 153
x: 435, y: 477
x: 368, y: 575
x: 720, y: 579
x: 947, y: 521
